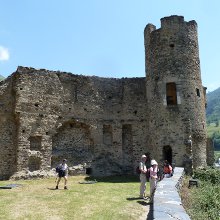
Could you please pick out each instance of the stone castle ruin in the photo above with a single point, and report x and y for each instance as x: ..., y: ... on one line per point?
x: 109, y: 123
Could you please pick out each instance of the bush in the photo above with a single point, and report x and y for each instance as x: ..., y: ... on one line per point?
x: 206, y: 202
x: 208, y: 174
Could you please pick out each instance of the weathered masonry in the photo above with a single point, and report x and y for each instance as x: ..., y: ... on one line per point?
x: 109, y: 123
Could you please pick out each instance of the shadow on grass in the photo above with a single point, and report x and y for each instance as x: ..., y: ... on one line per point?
x: 115, y: 178
x: 134, y: 198
x: 52, y: 188
x: 150, y: 213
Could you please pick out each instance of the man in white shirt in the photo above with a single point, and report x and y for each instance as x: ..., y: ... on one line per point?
x: 62, y: 172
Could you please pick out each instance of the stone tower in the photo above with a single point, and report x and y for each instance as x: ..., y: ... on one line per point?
x: 176, y: 98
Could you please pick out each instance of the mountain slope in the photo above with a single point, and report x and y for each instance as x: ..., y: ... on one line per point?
x: 1, y: 77
x: 213, y: 117
x: 213, y: 106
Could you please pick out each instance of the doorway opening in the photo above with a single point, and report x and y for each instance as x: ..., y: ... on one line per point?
x: 167, y: 154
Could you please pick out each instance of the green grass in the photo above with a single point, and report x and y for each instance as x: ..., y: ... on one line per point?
x: 109, y: 198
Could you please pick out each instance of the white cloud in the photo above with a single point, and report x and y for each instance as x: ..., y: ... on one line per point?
x: 4, y: 54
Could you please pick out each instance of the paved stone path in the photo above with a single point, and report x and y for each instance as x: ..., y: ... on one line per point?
x: 167, y: 202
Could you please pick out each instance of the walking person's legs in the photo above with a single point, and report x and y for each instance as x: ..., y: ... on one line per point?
x: 58, y: 181
x: 65, y: 182
x: 143, y: 185
x: 152, y: 187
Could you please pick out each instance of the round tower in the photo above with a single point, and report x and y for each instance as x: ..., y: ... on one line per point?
x: 175, y: 95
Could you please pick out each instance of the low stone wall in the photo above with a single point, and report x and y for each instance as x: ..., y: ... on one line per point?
x: 167, y: 202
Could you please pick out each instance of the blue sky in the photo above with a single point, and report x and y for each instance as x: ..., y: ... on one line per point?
x: 99, y: 37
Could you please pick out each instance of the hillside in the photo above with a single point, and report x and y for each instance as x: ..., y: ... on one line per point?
x: 213, y: 117
x: 213, y: 106
x: 1, y: 77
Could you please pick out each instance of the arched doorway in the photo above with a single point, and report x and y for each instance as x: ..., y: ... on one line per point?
x: 167, y: 154
x: 72, y: 141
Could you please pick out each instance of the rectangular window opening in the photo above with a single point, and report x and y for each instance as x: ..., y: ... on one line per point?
x: 198, y: 92
x: 107, y: 134
x: 35, y: 143
x: 171, y: 93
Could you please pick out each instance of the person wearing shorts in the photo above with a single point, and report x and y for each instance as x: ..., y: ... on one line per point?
x: 62, y: 172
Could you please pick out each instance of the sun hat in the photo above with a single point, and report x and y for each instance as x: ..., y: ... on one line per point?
x: 154, y: 162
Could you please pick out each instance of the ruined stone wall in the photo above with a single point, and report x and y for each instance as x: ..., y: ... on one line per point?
x: 38, y: 105
x: 8, y: 122
x: 92, y: 120
x: 172, y: 57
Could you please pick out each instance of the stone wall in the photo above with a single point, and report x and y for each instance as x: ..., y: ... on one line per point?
x: 210, y: 152
x: 8, y: 129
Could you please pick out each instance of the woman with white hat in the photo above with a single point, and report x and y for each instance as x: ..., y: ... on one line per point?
x: 153, y: 177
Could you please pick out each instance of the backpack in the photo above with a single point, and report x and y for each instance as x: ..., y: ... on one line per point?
x: 138, y: 170
x: 57, y: 169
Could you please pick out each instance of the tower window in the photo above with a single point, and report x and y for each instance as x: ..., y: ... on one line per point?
x: 35, y: 143
x: 171, y: 93
x: 197, y: 92
x: 107, y: 134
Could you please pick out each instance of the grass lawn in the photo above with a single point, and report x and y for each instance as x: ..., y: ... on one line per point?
x: 109, y: 198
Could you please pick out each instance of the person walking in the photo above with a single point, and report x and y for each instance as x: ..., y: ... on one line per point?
x: 153, y: 177
x: 62, y: 172
x: 143, y: 179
